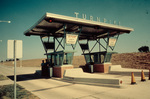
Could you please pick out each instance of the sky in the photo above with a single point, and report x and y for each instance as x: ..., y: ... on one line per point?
x: 25, y: 13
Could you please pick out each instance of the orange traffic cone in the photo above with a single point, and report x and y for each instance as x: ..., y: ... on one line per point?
x: 149, y: 74
x: 132, y: 79
x: 142, y: 76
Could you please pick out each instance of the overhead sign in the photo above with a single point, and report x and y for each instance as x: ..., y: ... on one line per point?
x: 112, y: 41
x: 97, y: 18
x: 71, y: 38
x: 14, y: 44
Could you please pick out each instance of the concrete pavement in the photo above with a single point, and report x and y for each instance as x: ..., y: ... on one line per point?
x: 56, y: 88
x: 6, y: 82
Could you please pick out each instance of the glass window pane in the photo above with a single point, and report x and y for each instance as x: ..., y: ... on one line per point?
x: 61, y: 59
x: 88, y: 58
x: 102, y: 58
x: 68, y: 58
x: 108, y: 57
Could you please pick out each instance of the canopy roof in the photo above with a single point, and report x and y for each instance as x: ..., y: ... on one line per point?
x: 55, y: 25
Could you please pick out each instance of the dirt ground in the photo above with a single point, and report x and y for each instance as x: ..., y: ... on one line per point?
x: 126, y: 60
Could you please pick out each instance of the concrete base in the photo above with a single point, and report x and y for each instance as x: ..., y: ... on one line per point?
x: 77, y: 75
x: 104, y: 68
x: 58, y: 71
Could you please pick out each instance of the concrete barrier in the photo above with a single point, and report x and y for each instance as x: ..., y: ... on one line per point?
x: 114, y: 67
x: 77, y: 75
x: 117, y: 69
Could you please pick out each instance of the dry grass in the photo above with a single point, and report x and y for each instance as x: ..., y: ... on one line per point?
x: 25, y: 63
x: 77, y: 61
x: 132, y: 60
x: 7, y: 92
x: 3, y: 77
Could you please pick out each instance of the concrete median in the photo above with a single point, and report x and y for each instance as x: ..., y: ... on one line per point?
x: 78, y: 76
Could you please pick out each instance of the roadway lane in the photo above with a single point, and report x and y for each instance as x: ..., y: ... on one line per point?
x: 56, y: 88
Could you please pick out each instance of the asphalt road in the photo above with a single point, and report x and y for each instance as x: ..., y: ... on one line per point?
x: 56, y: 88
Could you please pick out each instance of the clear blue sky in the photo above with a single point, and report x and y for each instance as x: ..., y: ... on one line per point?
x: 24, y: 13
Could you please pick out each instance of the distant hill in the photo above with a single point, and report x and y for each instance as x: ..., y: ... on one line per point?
x: 126, y: 60
x: 132, y: 60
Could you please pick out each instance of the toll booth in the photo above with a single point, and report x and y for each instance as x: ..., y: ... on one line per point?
x: 99, y: 60
x: 60, y: 50
x: 60, y: 34
x: 60, y: 61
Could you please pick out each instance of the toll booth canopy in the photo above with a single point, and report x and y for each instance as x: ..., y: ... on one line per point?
x: 59, y: 33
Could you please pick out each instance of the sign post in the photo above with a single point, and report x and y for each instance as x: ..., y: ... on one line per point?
x: 15, y: 69
x: 14, y: 50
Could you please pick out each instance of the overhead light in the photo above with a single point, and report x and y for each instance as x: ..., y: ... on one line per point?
x: 6, y: 21
x: 9, y: 21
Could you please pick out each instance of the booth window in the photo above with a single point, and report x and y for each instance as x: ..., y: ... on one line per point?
x: 108, y: 57
x: 99, y: 58
x: 88, y: 58
x: 61, y: 58
x: 68, y: 58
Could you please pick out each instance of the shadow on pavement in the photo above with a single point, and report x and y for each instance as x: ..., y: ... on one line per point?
x: 87, y: 83
x: 52, y: 87
x: 24, y: 77
x: 128, y: 73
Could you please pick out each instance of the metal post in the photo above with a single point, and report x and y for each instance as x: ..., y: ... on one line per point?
x: 64, y: 37
x: 54, y: 44
x: 14, y: 69
x: 116, y: 41
x: 80, y: 28
x: 93, y: 47
x: 99, y: 45
x: 107, y: 42
x: 44, y: 46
